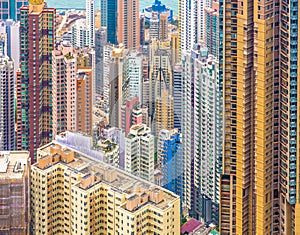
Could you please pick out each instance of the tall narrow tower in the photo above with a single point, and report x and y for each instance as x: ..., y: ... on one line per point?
x: 129, y: 23
x: 249, y: 56
x: 37, y: 38
x: 90, y: 21
x: 109, y: 19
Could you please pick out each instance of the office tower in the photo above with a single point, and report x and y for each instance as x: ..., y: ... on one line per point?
x: 201, y: 133
x: 139, y: 152
x: 10, y: 9
x: 80, y: 34
x: 128, y: 23
x: 100, y: 42
x: 170, y: 152
x: 90, y: 21
x: 84, y: 106
x: 211, y: 34
x: 15, y: 192
x: 64, y: 58
x: 86, y: 189
x: 191, y: 22
x: 109, y: 19
x: 163, y: 27
x: 7, y: 113
x: 11, y: 29
x: 37, y: 38
x: 115, y: 86
x: 177, y: 95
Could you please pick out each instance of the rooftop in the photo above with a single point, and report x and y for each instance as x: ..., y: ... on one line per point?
x: 94, y: 171
x: 12, y: 164
x: 191, y: 226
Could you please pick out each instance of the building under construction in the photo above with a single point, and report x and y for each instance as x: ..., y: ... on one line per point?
x: 14, y: 193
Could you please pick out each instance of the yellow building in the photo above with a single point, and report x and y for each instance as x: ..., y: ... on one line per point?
x: 75, y: 194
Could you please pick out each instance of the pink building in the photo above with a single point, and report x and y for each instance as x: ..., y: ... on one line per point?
x: 64, y: 65
x: 129, y: 114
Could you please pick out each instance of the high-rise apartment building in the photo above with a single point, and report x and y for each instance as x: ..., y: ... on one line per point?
x: 15, y: 192
x: 10, y: 9
x: 84, y: 105
x: 109, y: 19
x: 191, y: 26
x: 7, y: 113
x: 116, y: 80
x: 211, y: 34
x: 90, y: 21
x: 64, y: 58
x: 129, y: 23
x: 87, y: 196
x: 80, y: 34
x: 201, y: 133
x: 259, y: 59
x: 37, y: 38
x: 163, y: 27
x: 170, y: 155
x: 11, y: 29
x: 100, y: 42
x: 139, y: 152
x: 177, y: 95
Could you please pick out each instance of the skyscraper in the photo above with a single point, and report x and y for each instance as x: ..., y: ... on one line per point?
x: 109, y: 19
x: 211, y: 34
x: 10, y: 9
x: 258, y: 181
x: 37, y: 40
x: 64, y: 58
x: 7, y: 114
x: 191, y: 26
x: 170, y: 152
x: 177, y: 95
x: 201, y: 133
x: 90, y: 21
x: 12, y: 31
x: 100, y: 42
x: 129, y: 23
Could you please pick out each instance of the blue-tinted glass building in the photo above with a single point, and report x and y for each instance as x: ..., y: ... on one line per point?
x: 10, y: 9
x: 170, y: 153
x: 109, y: 19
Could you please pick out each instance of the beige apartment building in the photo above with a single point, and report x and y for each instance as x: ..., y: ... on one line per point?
x: 75, y: 194
x: 14, y: 192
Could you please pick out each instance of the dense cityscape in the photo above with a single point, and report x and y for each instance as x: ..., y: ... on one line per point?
x: 125, y: 120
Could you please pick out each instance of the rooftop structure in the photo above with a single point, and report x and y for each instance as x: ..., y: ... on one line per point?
x: 95, y: 189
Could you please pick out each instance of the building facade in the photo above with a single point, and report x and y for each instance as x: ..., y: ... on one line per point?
x: 201, y: 133
x: 7, y: 113
x: 64, y: 58
x: 90, y: 21
x: 96, y: 197
x: 170, y: 153
x: 129, y: 23
x: 109, y: 19
x: 15, y: 192
x: 10, y: 9
x: 139, y: 152
x: 37, y: 38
